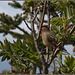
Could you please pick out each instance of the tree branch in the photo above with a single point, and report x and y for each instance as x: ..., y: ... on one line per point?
x: 35, y: 13
x: 48, y: 13
x: 53, y: 56
x: 35, y: 18
x: 41, y: 21
x: 18, y: 35
x: 60, y: 48
x: 72, y: 30
x: 36, y: 43
x: 21, y: 29
x: 27, y: 25
x: 47, y: 54
x: 38, y: 24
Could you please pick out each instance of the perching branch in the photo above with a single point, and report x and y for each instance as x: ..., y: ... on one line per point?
x: 27, y: 25
x: 53, y: 56
x: 47, y: 54
x: 58, y: 49
x: 41, y: 21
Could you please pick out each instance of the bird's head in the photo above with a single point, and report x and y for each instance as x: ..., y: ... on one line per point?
x: 45, y: 28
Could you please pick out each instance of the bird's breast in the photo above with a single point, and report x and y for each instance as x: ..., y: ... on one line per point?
x: 45, y: 40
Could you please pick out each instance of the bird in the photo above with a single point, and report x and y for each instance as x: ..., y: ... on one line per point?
x: 47, y: 37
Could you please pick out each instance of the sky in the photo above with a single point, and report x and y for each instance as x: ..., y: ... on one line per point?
x: 4, y: 7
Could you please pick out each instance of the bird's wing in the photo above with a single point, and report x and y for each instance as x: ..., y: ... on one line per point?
x: 51, y: 38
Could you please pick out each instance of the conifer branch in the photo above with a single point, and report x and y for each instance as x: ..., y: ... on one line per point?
x: 27, y: 25
x: 21, y: 29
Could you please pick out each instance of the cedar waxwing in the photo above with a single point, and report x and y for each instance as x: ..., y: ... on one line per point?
x: 47, y: 38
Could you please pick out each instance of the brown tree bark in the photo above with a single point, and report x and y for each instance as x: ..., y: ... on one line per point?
x: 45, y: 68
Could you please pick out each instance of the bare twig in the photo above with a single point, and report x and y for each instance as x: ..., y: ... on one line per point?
x: 53, y: 56
x: 72, y: 30
x: 35, y: 14
x: 41, y: 21
x: 27, y: 25
x: 48, y: 13
x: 21, y: 29
x: 38, y: 24
x: 36, y: 43
x: 69, y: 28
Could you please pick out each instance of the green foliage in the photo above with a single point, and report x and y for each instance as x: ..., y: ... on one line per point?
x: 69, y: 65
x: 7, y: 23
x: 29, y: 3
x: 21, y: 53
x: 62, y: 53
x: 61, y: 26
x: 15, y: 4
x: 61, y: 29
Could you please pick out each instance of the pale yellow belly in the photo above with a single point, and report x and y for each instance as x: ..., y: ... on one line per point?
x: 45, y: 40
